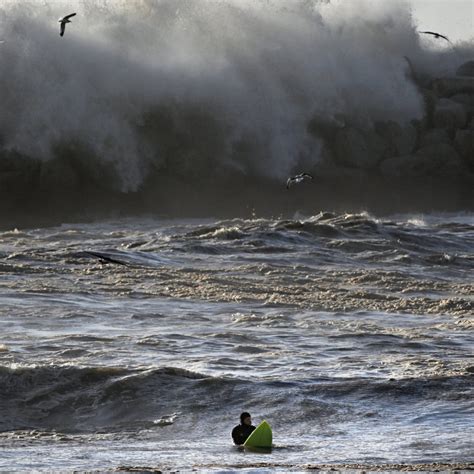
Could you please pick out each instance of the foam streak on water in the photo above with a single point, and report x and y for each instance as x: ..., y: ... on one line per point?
x: 138, y: 342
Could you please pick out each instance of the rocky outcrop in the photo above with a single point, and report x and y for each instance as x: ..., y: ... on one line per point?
x: 431, y: 160
x: 438, y: 148
x: 398, y: 139
x: 464, y: 99
x: 356, y: 148
x: 434, y: 136
x: 466, y: 69
x: 445, y: 145
x: 464, y: 144
x: 450, y: 86
x: 449, y: 115
x: 440, y: 160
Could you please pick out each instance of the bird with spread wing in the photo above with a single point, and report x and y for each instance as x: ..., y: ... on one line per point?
x: 63, y: 21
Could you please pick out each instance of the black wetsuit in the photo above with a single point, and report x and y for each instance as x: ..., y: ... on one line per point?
x: 241, y: 432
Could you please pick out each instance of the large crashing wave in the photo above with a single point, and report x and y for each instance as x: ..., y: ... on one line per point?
x: 138, y: 89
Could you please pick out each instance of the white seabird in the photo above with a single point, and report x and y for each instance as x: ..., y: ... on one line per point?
x: 299, y: 178
x: 63, y: 21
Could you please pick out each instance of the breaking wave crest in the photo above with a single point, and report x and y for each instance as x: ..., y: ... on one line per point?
x: 143, y: 95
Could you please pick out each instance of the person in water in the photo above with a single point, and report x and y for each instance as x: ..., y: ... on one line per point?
x: 241, y: 432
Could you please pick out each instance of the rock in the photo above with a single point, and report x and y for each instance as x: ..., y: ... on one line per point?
x: 400, y: 140
x: 434, y: 136
x: 440, y: 160
x: 358, y: 149
x: 432, y: 161
x: 465, y: 99
x: 466, y: 69
x: 464, y: 144
x: 450, y: 86
x: 429, y: 99
x: 449, y: 114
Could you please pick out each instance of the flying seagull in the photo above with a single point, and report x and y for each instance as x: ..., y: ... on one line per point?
x: 436, y: 35
x: 63, y: 22
x: 299, y: 178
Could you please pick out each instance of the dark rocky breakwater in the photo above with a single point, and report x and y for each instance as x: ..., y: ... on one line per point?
x: 439, y: 148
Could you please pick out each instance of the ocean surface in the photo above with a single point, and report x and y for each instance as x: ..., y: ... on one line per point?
x: 138, y: 342
x: 206, y: 107
x: 156, y: 277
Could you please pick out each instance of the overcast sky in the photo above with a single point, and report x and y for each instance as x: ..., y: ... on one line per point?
x: 454, y: 18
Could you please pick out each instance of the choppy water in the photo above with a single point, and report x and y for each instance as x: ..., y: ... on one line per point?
x: 139, y: 342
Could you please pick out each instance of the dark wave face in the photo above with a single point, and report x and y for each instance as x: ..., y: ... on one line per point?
x: 76, y: 400
x: 139, y: 342
x: 202, y: 107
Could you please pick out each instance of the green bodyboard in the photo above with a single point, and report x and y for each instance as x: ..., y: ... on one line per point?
x: 261, y: 437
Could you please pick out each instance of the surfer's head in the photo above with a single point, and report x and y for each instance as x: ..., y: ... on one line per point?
x: 245, y: 418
